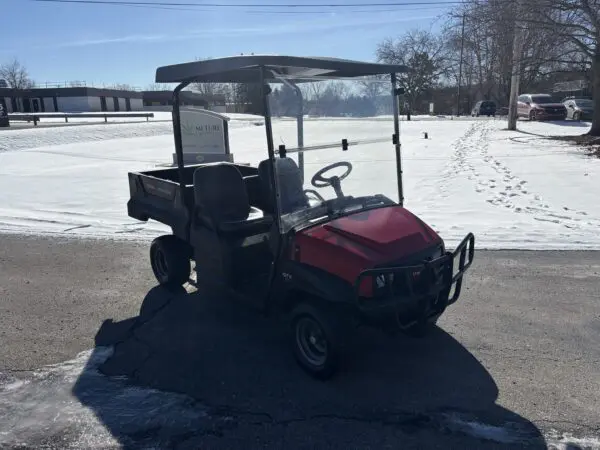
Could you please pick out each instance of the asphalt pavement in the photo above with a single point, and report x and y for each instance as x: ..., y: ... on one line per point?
x: 515, y: 363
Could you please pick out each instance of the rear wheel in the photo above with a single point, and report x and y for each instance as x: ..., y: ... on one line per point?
x: 170, y: 260
x: 316, y: 340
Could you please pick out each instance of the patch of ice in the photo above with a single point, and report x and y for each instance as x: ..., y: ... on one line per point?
x: 72, y: 405
x: 502, y: 434
x: 567, y: 441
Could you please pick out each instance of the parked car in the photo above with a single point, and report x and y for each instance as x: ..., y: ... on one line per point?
x: 502, y: 111
x: 3, y: 115
x: 484, y: 108
x: 579, y: 108
x: 540, y: 107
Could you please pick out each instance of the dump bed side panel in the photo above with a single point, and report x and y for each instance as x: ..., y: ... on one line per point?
x: 161, y: 200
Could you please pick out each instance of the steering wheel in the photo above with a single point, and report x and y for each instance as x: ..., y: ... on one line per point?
x: 318, y: 180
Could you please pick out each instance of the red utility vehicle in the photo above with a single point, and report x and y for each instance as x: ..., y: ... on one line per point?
x: 326, y: 259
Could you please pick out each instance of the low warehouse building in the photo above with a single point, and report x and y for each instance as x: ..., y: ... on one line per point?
x: 70, y: 99
x: 163, y: 100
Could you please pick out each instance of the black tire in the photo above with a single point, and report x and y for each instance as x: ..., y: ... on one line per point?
x: 576, y: 116
x: 316, y: 340
x: 170, y: 260
x: 532, y: 115
x: 422, y: 329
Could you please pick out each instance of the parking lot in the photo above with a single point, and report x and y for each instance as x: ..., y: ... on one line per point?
x: 514, y: 363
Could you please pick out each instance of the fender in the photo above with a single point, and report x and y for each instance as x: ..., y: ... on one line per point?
x: 298, y: 277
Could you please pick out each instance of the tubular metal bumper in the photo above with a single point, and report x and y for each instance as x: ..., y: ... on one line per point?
x: 425, y: 287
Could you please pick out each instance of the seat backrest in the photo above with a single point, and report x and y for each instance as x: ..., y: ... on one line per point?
x: 291, y: 189
x: 220, y: 193
x: 256, y: 195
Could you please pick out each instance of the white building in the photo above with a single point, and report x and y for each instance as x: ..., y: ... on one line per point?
x: 69, y: 100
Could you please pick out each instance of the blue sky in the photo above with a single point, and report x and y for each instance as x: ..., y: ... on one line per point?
x: 124, y: 44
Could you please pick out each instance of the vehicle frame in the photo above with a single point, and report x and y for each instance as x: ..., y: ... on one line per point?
x: 308, y: 296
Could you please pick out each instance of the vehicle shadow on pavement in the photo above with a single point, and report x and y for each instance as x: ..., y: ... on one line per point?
x: 243, y: 389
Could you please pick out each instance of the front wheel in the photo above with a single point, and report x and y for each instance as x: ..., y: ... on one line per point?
x: 576, y: 116
x: 532, y: 115
x: 170, y: 260
x: 316, y: 340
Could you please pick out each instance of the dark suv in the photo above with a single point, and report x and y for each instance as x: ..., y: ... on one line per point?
x: 484, y: 108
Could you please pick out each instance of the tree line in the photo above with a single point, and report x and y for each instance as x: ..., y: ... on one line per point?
x: 481, y: 45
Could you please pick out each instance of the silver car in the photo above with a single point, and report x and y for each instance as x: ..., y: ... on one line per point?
x: 579, y: 108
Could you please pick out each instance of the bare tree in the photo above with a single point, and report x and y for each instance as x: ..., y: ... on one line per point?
x: 159, y: 87
x: 558, y: 38
x: 15, y: 75
x: 123, y: 87
x: 424, y: 54
x: 312, y: 92
x: 372, y: 87
x: 577, y: 21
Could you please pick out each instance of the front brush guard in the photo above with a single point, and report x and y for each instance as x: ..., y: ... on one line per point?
x: 400, y: 283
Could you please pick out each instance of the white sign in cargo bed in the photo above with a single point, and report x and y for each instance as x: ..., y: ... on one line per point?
x: 204, y: 136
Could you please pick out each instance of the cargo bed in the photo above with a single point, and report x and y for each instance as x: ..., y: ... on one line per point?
x: 157, y: 194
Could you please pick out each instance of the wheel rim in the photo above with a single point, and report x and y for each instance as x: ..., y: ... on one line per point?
x: 311, y: 341
x: 161, y: 268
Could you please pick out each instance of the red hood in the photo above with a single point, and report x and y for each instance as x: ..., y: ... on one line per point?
x: 392, y: 232
x: 351, y: 244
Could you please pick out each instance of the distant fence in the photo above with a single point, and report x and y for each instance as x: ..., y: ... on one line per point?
x: 35, y: 118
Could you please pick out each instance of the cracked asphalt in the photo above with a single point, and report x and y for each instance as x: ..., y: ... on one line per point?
x: 515, y: 363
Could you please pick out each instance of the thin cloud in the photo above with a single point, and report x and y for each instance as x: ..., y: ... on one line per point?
x: 281, y: 29
x: 114, y: 40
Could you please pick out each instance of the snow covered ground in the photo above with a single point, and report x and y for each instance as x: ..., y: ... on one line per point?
x: 512, y: 189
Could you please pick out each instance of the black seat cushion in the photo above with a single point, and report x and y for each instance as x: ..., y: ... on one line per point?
x: 221, y: 201
x: 291, y: 189
x: 256, y: 223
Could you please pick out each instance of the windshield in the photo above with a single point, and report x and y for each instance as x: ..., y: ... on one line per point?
x: 325, y: 181
x: 584, y: 103
x: 541, y: 99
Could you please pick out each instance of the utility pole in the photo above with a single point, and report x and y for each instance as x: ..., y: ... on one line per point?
x: 460, y: 64
x: 516, y: 68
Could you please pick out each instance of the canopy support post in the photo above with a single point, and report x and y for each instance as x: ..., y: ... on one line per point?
x: 396, y: 139
x: 177, y: 133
